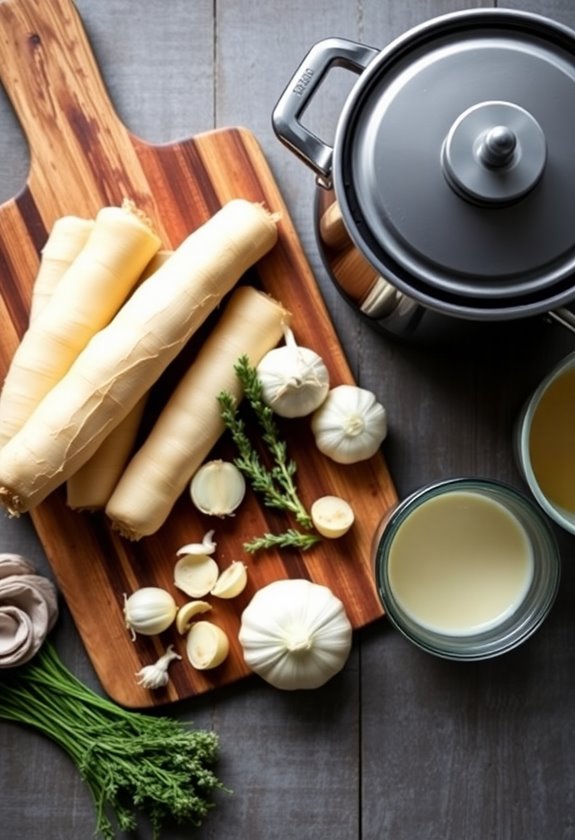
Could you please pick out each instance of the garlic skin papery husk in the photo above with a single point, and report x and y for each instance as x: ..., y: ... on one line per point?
x: 294, y: 380
x: 350, y: 425
x: 295, y: 634
x: 149, y: 611
x: 218, y: 488
x: 156, y: 675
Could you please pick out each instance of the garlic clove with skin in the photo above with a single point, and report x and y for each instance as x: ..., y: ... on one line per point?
x: 350, y: 425
x: 294, y: 380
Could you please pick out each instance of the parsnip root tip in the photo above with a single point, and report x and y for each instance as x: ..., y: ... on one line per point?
x: 125, y: 532
x: 130, y: 206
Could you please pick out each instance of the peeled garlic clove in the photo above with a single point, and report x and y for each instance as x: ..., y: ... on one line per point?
x: 232, y: 581
x: 332, y: 516
x: 218, y: 488
x: 196, y: 574
x: 207, y: 645
x: 207, y: 546
x: 149, y: 611
x: 188, y: 612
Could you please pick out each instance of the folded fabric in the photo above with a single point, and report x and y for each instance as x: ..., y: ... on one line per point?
x: 28, y: 610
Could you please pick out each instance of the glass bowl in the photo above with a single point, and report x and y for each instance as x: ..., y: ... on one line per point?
x: 466, y: 568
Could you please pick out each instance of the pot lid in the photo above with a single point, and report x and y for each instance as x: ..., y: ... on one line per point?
x: 454, y: 163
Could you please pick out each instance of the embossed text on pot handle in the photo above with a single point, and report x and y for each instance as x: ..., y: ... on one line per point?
x: 328, y: 53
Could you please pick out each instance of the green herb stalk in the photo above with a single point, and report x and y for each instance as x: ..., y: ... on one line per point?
x: 276, y: 485
x: 133, y: 763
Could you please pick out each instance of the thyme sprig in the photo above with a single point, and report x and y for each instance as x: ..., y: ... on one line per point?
x: 290, y: 538
x: 275, y: 484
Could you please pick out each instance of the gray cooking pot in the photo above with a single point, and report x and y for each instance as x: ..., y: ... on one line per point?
x: 449, y: 192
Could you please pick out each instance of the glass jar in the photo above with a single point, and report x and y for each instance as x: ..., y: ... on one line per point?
x: 466, y: 568
x: 557, y: 452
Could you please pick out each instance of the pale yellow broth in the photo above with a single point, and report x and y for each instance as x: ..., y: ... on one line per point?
x: 460, y: 563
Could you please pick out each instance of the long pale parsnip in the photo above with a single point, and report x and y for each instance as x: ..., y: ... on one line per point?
x: 122, y: 360
x: 68, y: 236
x: 91, y: 486
x: 84, y: 300
x: 190, y: 424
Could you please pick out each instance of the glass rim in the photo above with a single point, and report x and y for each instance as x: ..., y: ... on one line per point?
x: 555, y: 512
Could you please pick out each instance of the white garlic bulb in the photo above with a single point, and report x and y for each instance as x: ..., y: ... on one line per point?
x: 149, y: 610
x: 294, y: 380
x: 295, y: 634
x: 350, y: 425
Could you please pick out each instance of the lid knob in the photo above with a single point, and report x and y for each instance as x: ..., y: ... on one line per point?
x: 497, y: 146
x: 494, y: 153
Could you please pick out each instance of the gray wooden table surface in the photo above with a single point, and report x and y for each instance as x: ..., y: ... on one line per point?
x: 400, y: 745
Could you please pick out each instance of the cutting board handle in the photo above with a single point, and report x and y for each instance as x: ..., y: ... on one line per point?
x: 75, y: 137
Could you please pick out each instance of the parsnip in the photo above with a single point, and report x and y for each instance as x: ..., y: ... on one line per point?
x: 91, y: 486
x: 68, y: 236
x: 190, y: 424
x: 84, y: 300
x: 122, y: 360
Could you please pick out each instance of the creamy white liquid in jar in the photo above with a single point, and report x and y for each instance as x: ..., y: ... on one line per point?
x: 460, y: 563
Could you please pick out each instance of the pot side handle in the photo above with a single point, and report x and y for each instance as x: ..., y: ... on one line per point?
x: 286, y: 122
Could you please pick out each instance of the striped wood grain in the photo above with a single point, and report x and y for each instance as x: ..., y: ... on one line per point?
x: 81, y: 158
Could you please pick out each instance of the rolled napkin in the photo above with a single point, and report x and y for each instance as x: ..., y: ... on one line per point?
x: 28, y: 610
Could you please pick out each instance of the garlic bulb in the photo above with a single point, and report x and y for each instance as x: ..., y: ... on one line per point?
x: 156, y: 675
x: 295, y: 634
x: 350, y: 425
x: 149, y: 610
x: 218, y: 488
x: 294, y: 380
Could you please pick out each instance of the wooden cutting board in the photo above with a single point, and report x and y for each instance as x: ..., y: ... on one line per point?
x: 82, y: 157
